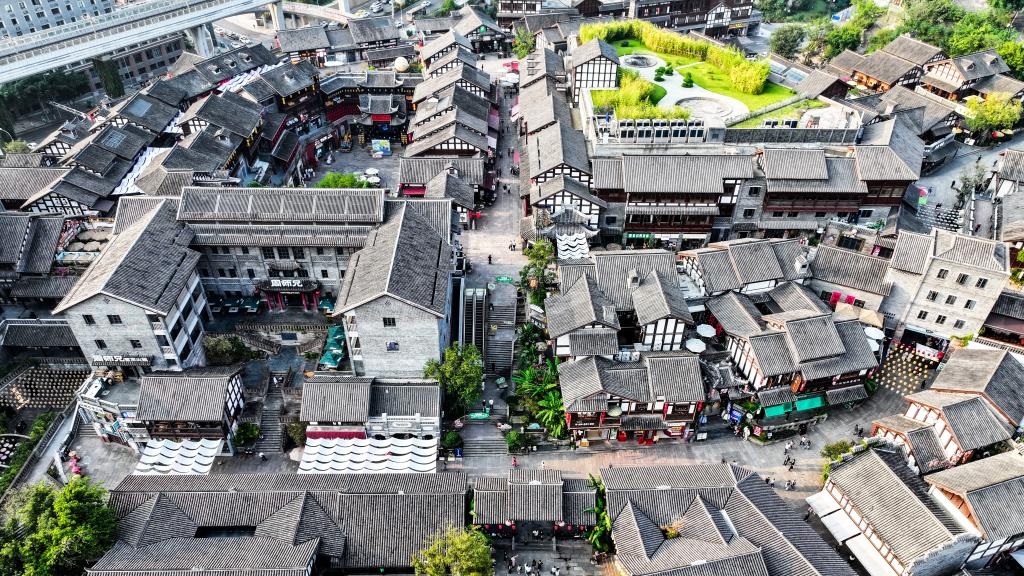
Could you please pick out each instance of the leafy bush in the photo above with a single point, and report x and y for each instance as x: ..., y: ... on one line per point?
x: 634, y: 99
x: 451, y: 439
x: 687, y: 80
x: 24, y: 449
x: 247, y: 434
x: 669, y: 71
x: 517, y: 441
x: 624, y: 44
x: 227, y: 350
x: 836, y: 450
x: 659, y: 78
x: 296, y: 432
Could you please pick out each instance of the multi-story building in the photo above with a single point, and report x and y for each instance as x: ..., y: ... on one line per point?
x: 881, y: 512
x: 714, y: 19
x: 593, y: 65
x: 660, y: 394
x: 395, y: 301
x: 977, y: 74
x: 18, y: 18
x: 848, y: 277
x: 943, y: 285
x: 899, y: 63
x: 526, y: 500
x: 140, y: 305
x: 337, y: 406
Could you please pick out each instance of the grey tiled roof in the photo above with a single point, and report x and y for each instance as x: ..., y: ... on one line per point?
x: 980, y: 64
x: 970, y: 250
x: 580, y: 304
x: 733, y: 264
x: 401, y: 259
x: 541, y: 105
x: 993, y: 489
x: 791, y: 297
x: 673, y: 376
x: 845, y: 394
x: 430, y: 49
x: 911, y: 252
x: 996, y: 374
x: 460, y: 73
x: 218, y: 555
x: 289, y: 78
x: 845, y: 62
x: 409, y: 507
x: 999, y: 83
x: 446, y: 185
x: 857, y: 355
x: 889, y: 150
x: 357, y: 205
x: 816, y: 83
x: 912, y: 49
x: 229, y: 114
x: 736, y: 314
x: 538, y: 64
x: 32, y: 334
x: 148, y: 112
x: 554, y: 146
x: 852, y: 269
x: 927, y: 449
x: 419, y: 171
x: 183, y: 397
x: 593, y: 342
x: 884, y: 66
x: 568, y: 184
x: 331, y: 398
x: 302, y: 39
x: 458, y: 55
x: 55, y: 287
x: 148, y: 264
x: 841, y: 177
x: 405, y: 398
x: 971, y: 421
x: 773, y: 354
x: 613, y: 268
x: 1010, y: 304
x: 895, y: 503
x: 373, y: 29
x: 657, y: 298
x: 454, y: 130
x: 471, y: 19
x: 456, y: 98
x: 596, y: 48
x: 730, y: 523
x: 705, y: 173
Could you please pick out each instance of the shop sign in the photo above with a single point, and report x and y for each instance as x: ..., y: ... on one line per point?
x: 735, y: 415
x: 285, y: 283
x: 639, y: 235
x: 503, y: 279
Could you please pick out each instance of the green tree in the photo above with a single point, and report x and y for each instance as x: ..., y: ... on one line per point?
x: 1013, y: 54
x: 817, y: 37
x: 551, y: 414
x: 454, y: 552
x: 16, y: 147
x: 600, y: 535
x: 341, y: 180
x: 835, y: 450
x: 57, y: 532
x: 1006, y: 5
x: 523, y: 43
x: 845, y: 37
x: 460, y: 373
x: 516, y: 441
x: 446, y: 8
x: 227, y: 350
x: 451, y: 439
x: 881, y: 39
x: 998, y: 111
x: 247, y: 434
x: 786, y: 40
x: 297, y: 432
x: 977, y: 31
x: 536, y: 276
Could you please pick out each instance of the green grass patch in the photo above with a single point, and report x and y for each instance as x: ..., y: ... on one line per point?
x: 709, y: 77
x: 638, y: 47
x: 793, y: 111
x: 635, y: 98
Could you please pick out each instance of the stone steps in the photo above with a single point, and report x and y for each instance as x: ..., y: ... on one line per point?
x: 270, y: 423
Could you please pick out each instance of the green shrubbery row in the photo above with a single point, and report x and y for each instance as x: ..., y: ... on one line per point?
x: 634, y: 99
x: 746, y: 76
x: 24, y: 449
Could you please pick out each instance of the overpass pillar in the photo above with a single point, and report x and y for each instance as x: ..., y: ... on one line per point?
x: 202, y: 39
x: 277, y: 16
x: 345, y: 6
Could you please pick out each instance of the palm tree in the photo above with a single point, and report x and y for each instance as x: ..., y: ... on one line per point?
x: 600, y: 535
x: 551, y: 413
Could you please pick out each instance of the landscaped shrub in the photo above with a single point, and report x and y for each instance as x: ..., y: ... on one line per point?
x: 687, y: 80
x: 746, y: 76
x: 634, y: 99
x: 659, y: 78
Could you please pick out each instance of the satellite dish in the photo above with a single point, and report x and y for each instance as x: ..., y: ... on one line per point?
x: 401, y: 64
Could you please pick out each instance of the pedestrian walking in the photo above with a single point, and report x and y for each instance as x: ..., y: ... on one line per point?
x: 263, y: 457
x: 542, y: 465
x: 489, y: 259
x: 768, y: 480
x: 791, y: 464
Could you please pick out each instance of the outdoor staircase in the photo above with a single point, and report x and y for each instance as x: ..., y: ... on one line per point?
x: 500, y: 344
x: 485, y: 446
x: 270, y: 423
x: 474, y: 312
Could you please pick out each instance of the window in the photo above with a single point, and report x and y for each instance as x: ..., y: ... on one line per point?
x: 88, y: 319
x: 282, y: 253
x: 958, y: 324
x: 792, y: 214
x: 302, y: 273
x: 114, y: 319
x: 225, y: 250
x: 754, y: 191
x: 940, y: 319
x: 324, y: 274
x: 981, y: 283
x: 221, y: 273
x: 136, y: 344
x: 204, y: 272
x: 250, y: 272
x: 268, y: 253
x: 866, y: 213
x: 232, y: 272
x: 922, y: 315
x: 970, y: 304
x: 389, y: 323
x: 777, y: 214
x: 962, y: 279
x: 298, y: 253
x: 101, y: 344
x: 319, y: 251
x: 245, y: 249
x: 942, y: 273
x: 748, y: 212
x: 858, y: 303
x: 850, y: 243
x: 611, y: 220
x: 950, y: 300
x: 932, y: 296
x: 820, y: 214
x: 392, y: 346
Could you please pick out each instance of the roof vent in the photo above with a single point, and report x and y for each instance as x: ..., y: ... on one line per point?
x: 634, y: 279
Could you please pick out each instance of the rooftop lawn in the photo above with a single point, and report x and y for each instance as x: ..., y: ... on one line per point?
x: 793, y: 111
x: 708, y: 77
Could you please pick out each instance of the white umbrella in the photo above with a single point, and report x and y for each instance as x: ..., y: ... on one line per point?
x: 696, y: 346
x: 295, y: 454
x: 372, y: 171
x: 373, y: 179
x: 873, y: 345
x: 706, y: 330
x: 873, y: 333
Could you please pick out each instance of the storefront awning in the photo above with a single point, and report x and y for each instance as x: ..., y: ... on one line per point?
x: 869, y: 557
x: 846, y: 394
x: 810, y: 403
x: 1005, y: 324
x: 822, y: 503
x: 840, y: 525
x: 515, y: 111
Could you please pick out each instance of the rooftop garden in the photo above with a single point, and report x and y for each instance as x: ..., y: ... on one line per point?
x: 791, y: 112
x: 634, y: 99
x: 715, y: 68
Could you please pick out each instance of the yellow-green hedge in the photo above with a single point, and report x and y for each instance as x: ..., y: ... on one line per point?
x: 746, y: 76
x: 634, y: 99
